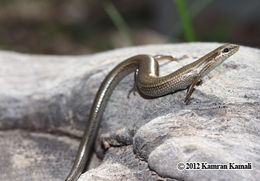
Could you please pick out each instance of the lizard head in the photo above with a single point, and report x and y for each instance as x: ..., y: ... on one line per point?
x: 216, y: 57
x: 225, y: 51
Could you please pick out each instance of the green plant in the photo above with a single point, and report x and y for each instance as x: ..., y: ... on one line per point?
x: 186, y: 22
x: 118, y: 20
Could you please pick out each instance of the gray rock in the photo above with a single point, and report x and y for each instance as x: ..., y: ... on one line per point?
x: 27, y: 155
x: 120, y: 163
x: 51, y: 96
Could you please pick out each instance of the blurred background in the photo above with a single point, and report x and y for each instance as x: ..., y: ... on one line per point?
x: 88, y: 26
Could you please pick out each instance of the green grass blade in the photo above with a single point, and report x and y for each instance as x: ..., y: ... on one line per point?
x: 186, y: 22
x: 118, y: 21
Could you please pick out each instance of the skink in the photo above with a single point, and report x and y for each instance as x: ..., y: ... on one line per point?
x: 149, y: 84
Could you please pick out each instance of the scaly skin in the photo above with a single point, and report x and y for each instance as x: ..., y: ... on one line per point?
x: 149, y: 84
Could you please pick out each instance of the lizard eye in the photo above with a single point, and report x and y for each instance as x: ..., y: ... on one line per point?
x: 225, y: 50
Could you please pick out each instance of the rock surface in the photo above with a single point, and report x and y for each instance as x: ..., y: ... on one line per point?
x: 45, y: 101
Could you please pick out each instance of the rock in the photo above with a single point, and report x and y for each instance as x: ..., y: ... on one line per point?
x: 27, y: 155
x: 120, y: 164
x: 51, y: 96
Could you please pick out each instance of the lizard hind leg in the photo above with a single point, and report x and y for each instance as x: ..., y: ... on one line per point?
x: 169, y: 57
x: 134, y: 88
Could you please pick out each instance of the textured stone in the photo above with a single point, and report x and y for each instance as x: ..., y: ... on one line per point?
x: 121, y: 164
x: 49, y: 97
x: 34, y: 156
